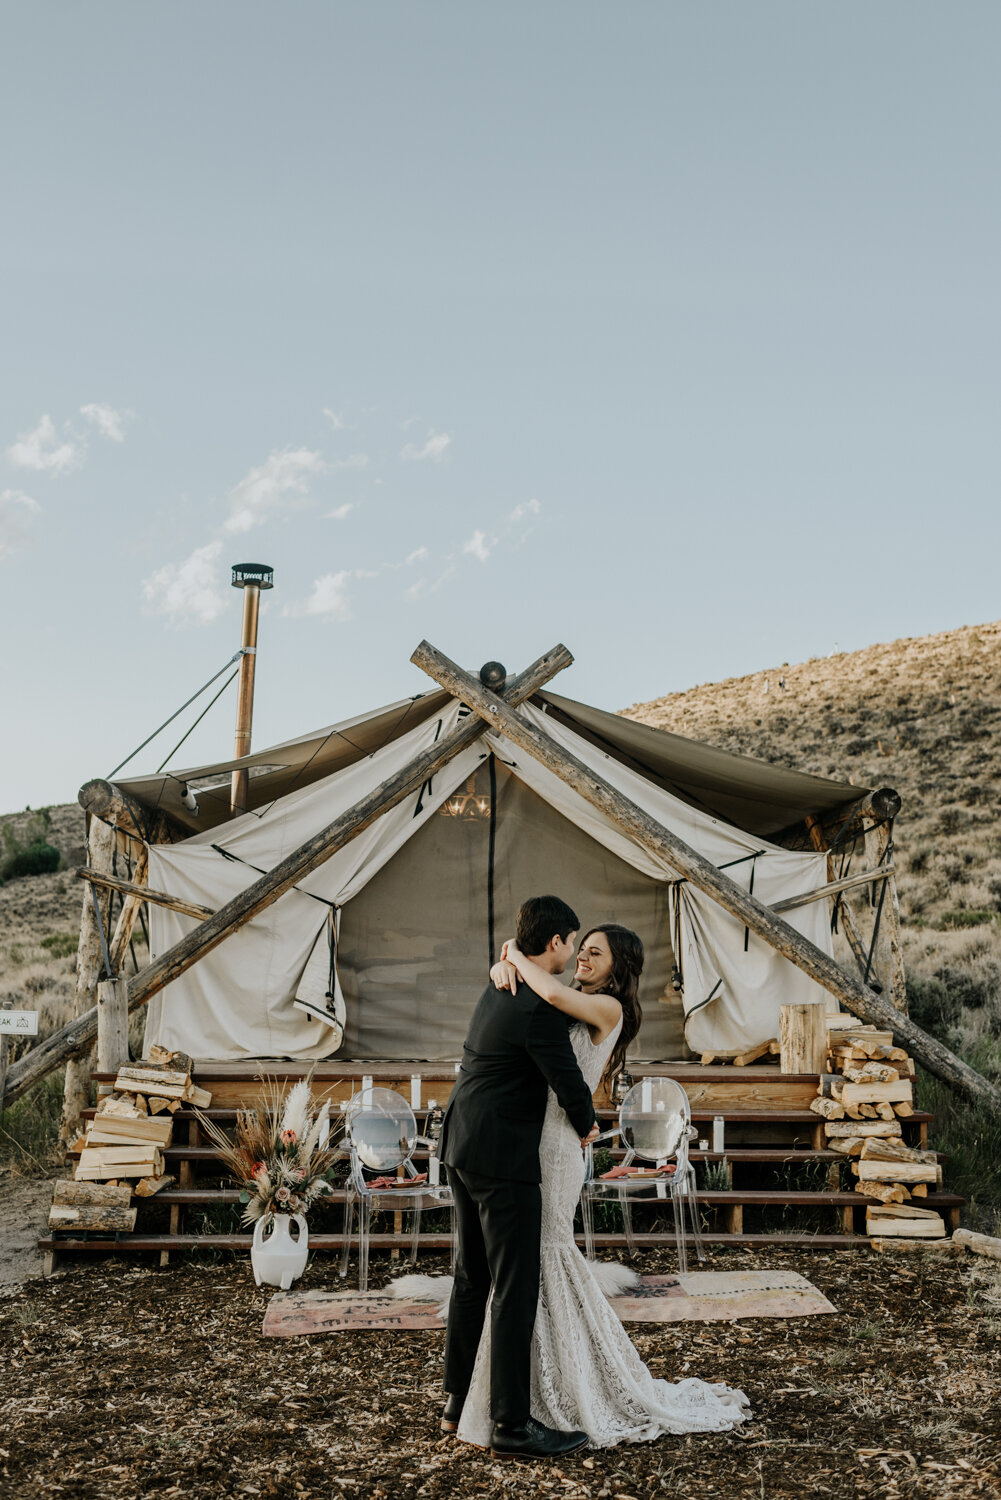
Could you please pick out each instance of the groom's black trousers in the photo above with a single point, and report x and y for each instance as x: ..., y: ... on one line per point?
x: 499, y: 1225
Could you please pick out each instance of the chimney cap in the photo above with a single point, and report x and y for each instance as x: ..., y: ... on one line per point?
x: 259, y: 573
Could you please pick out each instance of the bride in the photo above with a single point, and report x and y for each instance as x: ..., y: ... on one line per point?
x: 586, y: 1374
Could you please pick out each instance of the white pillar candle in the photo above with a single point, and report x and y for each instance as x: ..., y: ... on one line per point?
x: 415, y: 1091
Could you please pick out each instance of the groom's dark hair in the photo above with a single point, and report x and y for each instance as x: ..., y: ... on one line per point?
x: 541, y: 918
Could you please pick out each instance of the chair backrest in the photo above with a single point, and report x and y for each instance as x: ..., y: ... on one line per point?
x: 380, y: 1128
x: 654, y: 1119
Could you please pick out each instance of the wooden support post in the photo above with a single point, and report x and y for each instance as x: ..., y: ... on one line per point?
x: 140, y: 893
x: 112, y: 1026
x: 675, y: 854
x: 4, y: 1060
x: 129, y: 914
x: 270, y: 887
x: 735, y: 1219
x: 888, y: 958
x: 101, y: 841
x: 847, y: 917
x: 803, y: 1037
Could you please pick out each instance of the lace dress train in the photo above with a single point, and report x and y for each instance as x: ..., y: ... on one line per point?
x: 586, y: 1373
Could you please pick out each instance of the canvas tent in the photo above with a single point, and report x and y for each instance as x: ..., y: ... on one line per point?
x: 381, y: 951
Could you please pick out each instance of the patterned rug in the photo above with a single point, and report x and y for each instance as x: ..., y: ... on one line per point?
x: 699, y: 1297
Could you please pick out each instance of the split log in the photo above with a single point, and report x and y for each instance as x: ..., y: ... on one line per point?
x: 78, y: 1035
x: 872, y: 1072
x: 157, y: 1105
x: 200, y: 1098
x: 144, y: 893
x: 885, y: 1111
x: 901, y: 1092
x: 832, y: 1086
x: 111, y: 1130
x: 890, y: 1226
x: 161, y: 1057
x: 896, y: 1171
x: 831, y: 1109
x: 137, y: 1078
x: 903, y: 1108
x: 91, y: 1216
x: 678, y: 856
x: 147, y: 1186
x: 70, y: 1194
x: 100, y: 1163
x: 753, y: 1053
x: 869, y: 1128
x: 847, y: 1145
x: 886, y: 1192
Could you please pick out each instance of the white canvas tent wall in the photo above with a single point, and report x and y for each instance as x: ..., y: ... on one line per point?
x: 415, y: 893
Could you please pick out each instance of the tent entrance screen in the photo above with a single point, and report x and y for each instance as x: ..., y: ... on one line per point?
x: 414, y: 948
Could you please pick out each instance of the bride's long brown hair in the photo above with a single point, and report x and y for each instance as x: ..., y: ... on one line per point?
x: 623, y: 984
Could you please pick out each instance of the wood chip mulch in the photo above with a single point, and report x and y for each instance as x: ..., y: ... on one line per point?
x: 130, y: 1382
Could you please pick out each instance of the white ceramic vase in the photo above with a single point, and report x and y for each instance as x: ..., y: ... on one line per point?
x: 277, y: 1258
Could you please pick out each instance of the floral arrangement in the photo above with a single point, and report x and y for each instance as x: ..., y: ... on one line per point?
x: 280, y: 1154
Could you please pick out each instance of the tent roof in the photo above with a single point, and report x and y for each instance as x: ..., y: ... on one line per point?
x: 758, y: 797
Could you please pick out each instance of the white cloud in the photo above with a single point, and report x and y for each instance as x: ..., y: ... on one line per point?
x: 329, y: 599
x: 353, y: 461
x: 526, y: 508
x: 110, y: 423
x: 41, y: 448
x: 190, y: 593
x: 418, y: 556
x: 16, y: 511
x: 434, y: 448
x: 335, y: 418
x: 275, y: 485
x: 339, y: 513
x: 479, y: 545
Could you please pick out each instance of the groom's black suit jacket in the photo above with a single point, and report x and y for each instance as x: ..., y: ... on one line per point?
x: 517, y: 1048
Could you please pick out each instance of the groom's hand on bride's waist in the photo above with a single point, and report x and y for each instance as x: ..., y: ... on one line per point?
x: 592, y: 1135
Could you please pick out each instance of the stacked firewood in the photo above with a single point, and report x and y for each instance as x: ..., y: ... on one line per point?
x: 863, y: 1096
x: 131, y: 1129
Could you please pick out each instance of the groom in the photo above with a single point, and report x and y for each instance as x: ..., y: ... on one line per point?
x: 517, y: 1048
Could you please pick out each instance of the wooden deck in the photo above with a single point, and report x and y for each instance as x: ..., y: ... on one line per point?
x: 774, y: 1182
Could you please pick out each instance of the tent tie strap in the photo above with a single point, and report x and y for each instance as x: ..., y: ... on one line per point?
x: 228, y: 854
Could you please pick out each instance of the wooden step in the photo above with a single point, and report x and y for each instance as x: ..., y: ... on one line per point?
x: 709, y: 1088
x: 133, y: 1243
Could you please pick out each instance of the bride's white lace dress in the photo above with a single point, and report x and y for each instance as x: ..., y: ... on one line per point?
x: 586, y: 1374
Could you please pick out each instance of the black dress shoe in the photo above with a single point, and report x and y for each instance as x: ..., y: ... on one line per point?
x: 453, y: 1411
x: 530, y: 1439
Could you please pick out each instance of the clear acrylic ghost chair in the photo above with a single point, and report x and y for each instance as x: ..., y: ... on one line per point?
x: 380, y: 1133
x: 655, y: 1126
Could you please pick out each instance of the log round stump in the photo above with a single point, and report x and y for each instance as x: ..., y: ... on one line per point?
x: 803, y: 1037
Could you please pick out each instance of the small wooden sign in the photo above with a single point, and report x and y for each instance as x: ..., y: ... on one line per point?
x: 18, y: 1022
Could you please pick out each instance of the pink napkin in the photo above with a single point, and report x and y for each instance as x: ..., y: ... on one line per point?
x: 378, y: 1183
x: 623, y: 1171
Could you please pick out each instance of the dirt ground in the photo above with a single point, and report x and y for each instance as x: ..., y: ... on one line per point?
x: 126, y: 1381
x: 24, y: 1211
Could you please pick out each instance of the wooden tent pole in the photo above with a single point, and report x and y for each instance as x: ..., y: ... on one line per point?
x: 888, y: 956
x: 651, y: 835
x: 848, y: 925
x: 229, y: 918
x: 89, y: 961
x: 140, y: 893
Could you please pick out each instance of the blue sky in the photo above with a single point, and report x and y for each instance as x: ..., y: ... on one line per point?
x: 671, y: 332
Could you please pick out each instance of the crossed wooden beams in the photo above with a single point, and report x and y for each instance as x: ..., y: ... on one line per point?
x: 497, y: 711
